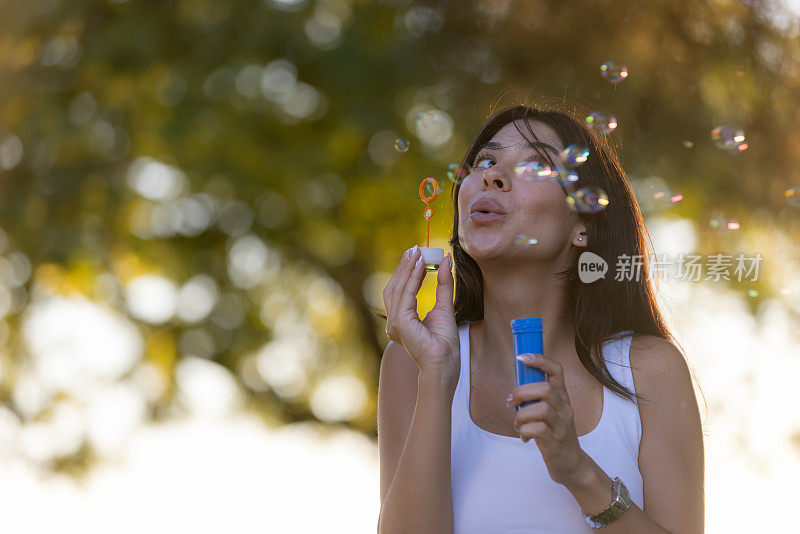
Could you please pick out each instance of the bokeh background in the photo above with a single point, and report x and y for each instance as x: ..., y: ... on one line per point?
x: 201, y: 203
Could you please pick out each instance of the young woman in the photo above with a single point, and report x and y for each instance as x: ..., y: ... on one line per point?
x: 615, y: 441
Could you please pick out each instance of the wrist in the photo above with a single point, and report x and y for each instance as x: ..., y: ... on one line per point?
x: 437, y: 381
x: 585, y: 477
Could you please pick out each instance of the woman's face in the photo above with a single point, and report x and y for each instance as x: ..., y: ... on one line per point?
x: 535, y: 208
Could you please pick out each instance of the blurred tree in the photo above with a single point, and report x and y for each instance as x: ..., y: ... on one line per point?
x: 251, y: 142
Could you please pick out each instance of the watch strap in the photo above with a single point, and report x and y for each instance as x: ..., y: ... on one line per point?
x: 621, y: 502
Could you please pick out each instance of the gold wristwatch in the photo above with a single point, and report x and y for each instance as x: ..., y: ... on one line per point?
x: 621, y: 502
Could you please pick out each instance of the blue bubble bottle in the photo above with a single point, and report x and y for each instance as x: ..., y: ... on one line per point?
x: 527, y: 335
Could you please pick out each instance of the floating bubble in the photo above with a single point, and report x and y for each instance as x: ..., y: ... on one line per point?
x: 688, y: 144
x: 426, y: 120
x: 451, y: 171
x: 571, y: 176
x: 721, y: 223
x: 433, y: 127
x: 792, y: 196
x: 666, y: 194
x: 613, y: 73
x: 602, y: 123
x: 401, y: 145
x: 590, y: 199
x: 532, y: 171
x: 456, y: 174
x: 730, y: 138
x: 574, y: 155
x: 566, y: 177
x: 525, y: 241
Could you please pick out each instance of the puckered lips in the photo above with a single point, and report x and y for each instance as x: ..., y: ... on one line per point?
x: 486, y: 209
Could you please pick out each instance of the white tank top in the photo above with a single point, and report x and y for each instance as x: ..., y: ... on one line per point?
x: 500, y: 484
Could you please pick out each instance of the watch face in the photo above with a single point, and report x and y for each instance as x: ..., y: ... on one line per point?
x: 622, y: 502
x: 625, y: 496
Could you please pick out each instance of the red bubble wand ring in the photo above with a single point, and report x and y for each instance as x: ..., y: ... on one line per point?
x: 432, y: 256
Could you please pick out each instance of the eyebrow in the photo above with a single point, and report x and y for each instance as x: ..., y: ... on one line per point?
x: 491, y: 145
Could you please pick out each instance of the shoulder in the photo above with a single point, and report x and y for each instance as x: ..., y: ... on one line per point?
x: 657, y: 365
x: 663, y: 379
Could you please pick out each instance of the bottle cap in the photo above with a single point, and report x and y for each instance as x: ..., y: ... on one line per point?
x: 432, y: 257
x: 526, y: 325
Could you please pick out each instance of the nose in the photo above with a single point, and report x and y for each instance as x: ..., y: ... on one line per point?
x: 492, y: 176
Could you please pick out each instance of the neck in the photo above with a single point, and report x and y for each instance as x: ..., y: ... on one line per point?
x: 524, y: 293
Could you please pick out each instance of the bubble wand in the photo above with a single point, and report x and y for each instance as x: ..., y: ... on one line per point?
x: 432, y: 256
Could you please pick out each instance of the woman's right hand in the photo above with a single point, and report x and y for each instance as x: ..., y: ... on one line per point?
x: 433, y: 343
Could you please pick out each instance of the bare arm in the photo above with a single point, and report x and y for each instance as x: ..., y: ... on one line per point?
x: 415, y: 457
x: 671, y: 457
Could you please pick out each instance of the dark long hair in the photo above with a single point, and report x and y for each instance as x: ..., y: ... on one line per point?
x: 602, y: 310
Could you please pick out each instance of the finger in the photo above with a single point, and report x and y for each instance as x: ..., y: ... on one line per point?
x: 402, y: 281
x: 391, y: 286
x: 536, y: 430
x: 444, y: 285
x: 553, y: 369
x: 540, y: 411
x: 415, y: 275
x: 543, y: 391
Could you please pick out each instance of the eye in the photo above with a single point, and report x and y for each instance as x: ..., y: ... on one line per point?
x: 480, y: 160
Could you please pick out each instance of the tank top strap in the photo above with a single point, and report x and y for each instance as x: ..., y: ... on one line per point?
x: 616, y: 352
x: 460, y: 411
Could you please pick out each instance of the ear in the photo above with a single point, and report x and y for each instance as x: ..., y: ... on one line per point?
x: 581, y: 237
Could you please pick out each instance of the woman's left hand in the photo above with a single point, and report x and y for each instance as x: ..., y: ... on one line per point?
x: 549, y: 422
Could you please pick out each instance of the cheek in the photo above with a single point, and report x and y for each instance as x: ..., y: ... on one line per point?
x: 547, y: 213
x: 547, y: 200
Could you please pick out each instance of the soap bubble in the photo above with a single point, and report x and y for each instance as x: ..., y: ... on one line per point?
x: 455, y: 173
x: 792, y: 196
x: 570, y: 176
x: 566, y: 176
x: 426, y: 120
x: 602, y: 123
x: 656, y: 201
x: 433, y: 127
x: 574, y: 155
x: 613, y: 73
x: 401, y: 145
x: 532, y: 171
x: 730, y: 138
x: 525, y: 241
x: 720, y: 223
x: 665, y: 198
x: 590, y: 199
x: 451, y: 171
